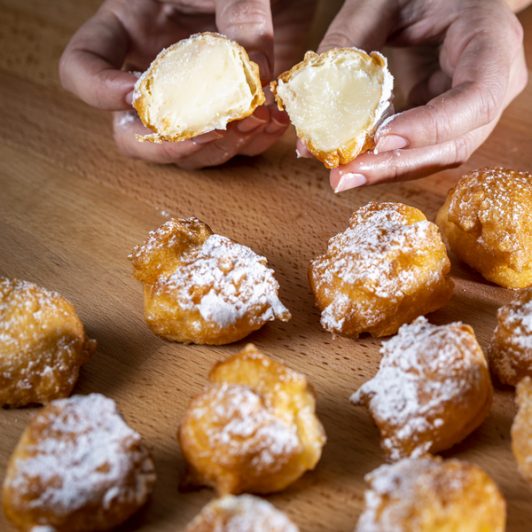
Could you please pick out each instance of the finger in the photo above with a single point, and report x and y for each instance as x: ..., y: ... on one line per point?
x: 90, y: 65
x: 127, y: 126
x: 302, y: 151
x: 362, y: 23
x: 249, y: 22
x: 435, y: 84
x: 370, y: 168
x: 480, y: 78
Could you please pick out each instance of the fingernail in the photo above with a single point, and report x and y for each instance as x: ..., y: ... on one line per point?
x: 249, y: 124
x: 276, y: 125
x: 390, y: 143
x: 348, y: 181
x: 129, y: 98
x: 205, y: 138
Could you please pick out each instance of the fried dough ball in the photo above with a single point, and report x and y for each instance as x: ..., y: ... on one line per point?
x: 336, y: 100
x: 203, y: 288
x: 432, y: 389
x: 197, y: 85
x: 511, y: 345
x: 486, y: 222
x: 244, y: 513
x: 42, y: 344
x: 522, y: 429
x: 387, y: 268
x: 77, y: 467
x: 428, y: 495
x: 253, y: 429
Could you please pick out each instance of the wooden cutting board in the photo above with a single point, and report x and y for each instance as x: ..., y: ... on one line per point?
x: 71, y: 209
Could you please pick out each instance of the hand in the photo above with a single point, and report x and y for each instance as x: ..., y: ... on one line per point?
x: 126, y: 35
x: 475, y: 68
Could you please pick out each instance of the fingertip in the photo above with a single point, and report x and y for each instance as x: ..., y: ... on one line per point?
x: 302, y: 152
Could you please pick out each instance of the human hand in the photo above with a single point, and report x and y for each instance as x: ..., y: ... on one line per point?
x: 129, y: 34
x: 477, y: 69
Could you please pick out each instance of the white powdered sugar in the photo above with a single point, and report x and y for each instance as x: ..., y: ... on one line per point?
x: 225, y: 282
x: 244, y: 513
x: 423, y: 369
x: 81, y: 452
x: 517, y: 317
x: 241, y: 427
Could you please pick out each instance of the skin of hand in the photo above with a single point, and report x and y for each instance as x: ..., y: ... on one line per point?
x: 126, y: 35
x: 470, y: 68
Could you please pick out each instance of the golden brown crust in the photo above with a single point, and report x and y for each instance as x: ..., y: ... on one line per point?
x: 77, y: 467
x: 432, y: 389
x: 42, y: 344
x: 203, y: 288
x: 429, y: 494
x: 522, y: 429
x: 511, y: 345
x: 142, y: 90
x: 388, y: 267
x: 344, y: 154
x: 486, y: 222
x: 253, y: 429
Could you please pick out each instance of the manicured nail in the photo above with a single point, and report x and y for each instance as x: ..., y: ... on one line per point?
x: 276, y: 124
x: 257, y: 119
x: 129, y: 98
x: 348, y: 181
x: 390, y: 143
x: 205, y: 138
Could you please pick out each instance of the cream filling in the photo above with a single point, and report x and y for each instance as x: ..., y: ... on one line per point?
x: 337, y: 102
x: 199, y: 86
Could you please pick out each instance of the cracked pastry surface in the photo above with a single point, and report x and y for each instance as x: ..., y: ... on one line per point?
x: 388, y: 267
x: 42, y: 344
x: 244, y: 513
x: 254, y: 427
x: 202, y: 287
x: 522, y: 428
x: 486, y: 222
x: 432, y: 389
x: 77, y: 467
x: 429, y: 494
x: 195, y: 86
x: 336, y: 100
x: 511, y: 346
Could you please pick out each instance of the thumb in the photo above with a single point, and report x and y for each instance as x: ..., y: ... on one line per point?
x: 249, y: 22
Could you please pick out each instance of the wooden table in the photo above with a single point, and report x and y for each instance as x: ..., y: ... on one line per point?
x: 71, y: 208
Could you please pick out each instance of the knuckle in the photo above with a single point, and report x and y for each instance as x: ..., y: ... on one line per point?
x: 245, y: 14
x: 490, y: 104
x: 461, y: 150
x: 438, y: 124
x: 336, y: 39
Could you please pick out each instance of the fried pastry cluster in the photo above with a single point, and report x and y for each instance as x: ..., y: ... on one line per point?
x: 432, y: 389
x: 429, y: 494
x: 336, y: 100
x: 244, y: 513
x: 203, y: 288
x: 253, y: 429
x: 387, y: 268
x: 511, y: 345
x: 486, y: 222
x: 42, y: 344
x: 197, y: 85
x: 77, y: 467
x: 522, y: 429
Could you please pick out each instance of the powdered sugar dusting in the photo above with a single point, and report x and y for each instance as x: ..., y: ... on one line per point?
x: 81, y: 452
x: 239, y: 426
x: 368, y: 255
x: 244, y: 513
x: 423, y: 369
x: 225, y: 282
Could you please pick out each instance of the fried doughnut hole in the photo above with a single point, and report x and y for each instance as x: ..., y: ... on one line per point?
x: 486, y: 222
x: 197, y: 85
x: 203, y: 288
x: 336, y: 100
x: 511, y: 345
x: 253, y: 429
x: 77, y: 467
x: 244, y: 513
x: 428, y: 495
x: 432, y: 389
x: 387, y: 268
x: 42, y: 344
x: 522, y: 429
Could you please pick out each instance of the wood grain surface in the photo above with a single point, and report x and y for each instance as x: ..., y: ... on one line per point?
x: 71, y: 209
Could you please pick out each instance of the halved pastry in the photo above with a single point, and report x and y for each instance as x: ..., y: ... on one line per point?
x: 197, y: 85
x: 253, y: 429
x: 336, y: 100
